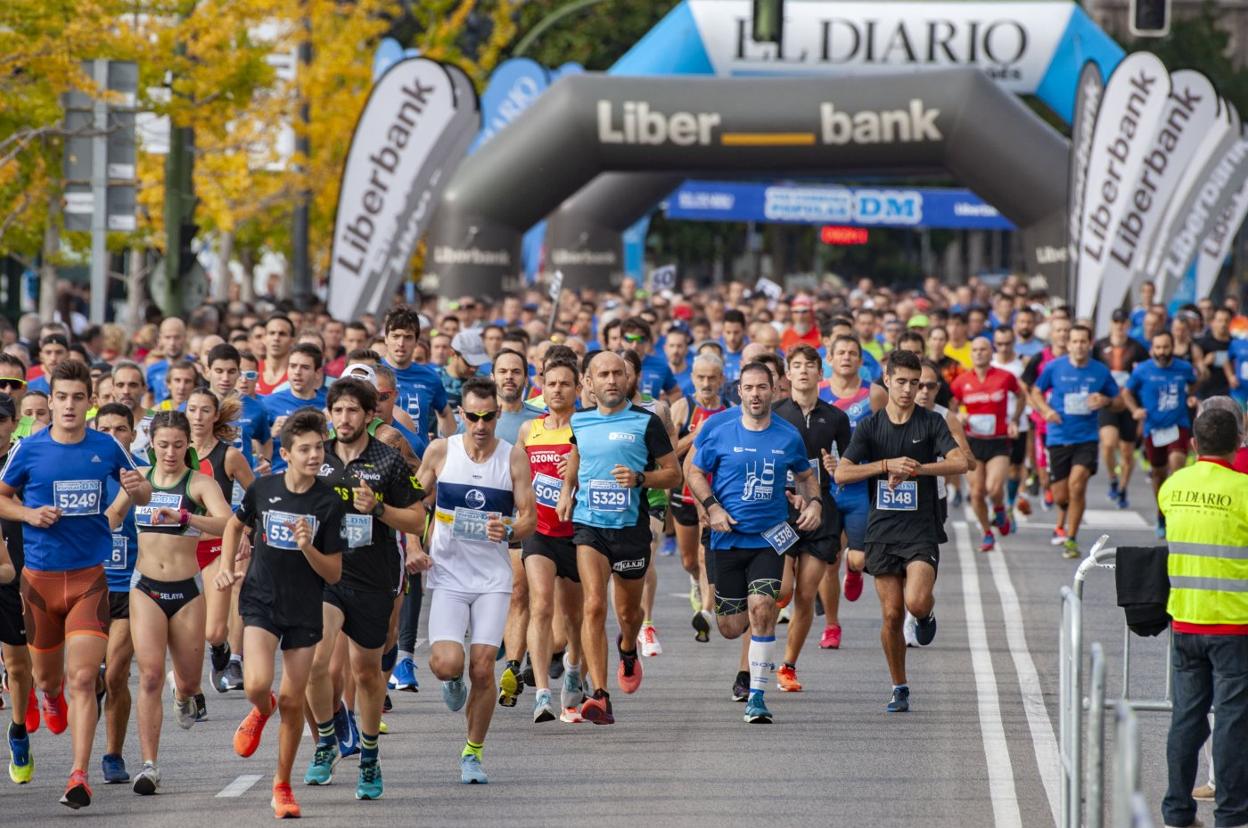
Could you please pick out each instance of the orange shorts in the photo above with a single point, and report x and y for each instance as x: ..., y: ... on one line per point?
x: 58, y: 605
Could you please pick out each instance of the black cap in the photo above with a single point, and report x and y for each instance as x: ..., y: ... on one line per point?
x: 1121, y: 315
x: 8, y: 409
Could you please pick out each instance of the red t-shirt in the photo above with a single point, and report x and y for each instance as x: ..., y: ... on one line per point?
x: 791, y: 337
x: 987, y: 401
x: 1241, y: 460
x: 263, y: 388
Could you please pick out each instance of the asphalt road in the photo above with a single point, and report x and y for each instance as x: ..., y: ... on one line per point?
x: 979, y: 746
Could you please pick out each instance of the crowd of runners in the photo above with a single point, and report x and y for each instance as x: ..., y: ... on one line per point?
x: 196, y: 485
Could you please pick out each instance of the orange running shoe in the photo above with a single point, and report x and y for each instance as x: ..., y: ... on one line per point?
x: 77, y: 792
x: 786, y: 679
x: 283, y: 802
x: 247, y: 737
x: 1023, y: 505
x: 32, y: 712
x: 54, y: 712
x: 597, y: 709
x: 629, y: 679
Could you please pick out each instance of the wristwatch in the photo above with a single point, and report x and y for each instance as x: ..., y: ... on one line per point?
x: 379, y: 509
x: 641, y: 480
x: 508, y: 531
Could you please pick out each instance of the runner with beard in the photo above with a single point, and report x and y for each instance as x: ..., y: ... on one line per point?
x: 1059, y: 334
x: 895, y: 451
x: 1005, y: 358
x: 1118, y: 430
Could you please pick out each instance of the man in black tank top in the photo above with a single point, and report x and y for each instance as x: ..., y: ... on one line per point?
x: 13, y: 628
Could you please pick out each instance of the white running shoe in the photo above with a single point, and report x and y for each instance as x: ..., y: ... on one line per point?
x: 910, y: 630
x: 648, y: 640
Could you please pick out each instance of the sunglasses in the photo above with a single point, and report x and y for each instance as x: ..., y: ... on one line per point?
x: 385, y: 396
x: 929, y: 386
x: 248, y: 375
x: 480, y: 416
x: 634, y: 337
x: 12, y: 382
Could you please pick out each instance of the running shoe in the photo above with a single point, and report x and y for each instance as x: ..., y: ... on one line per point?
x: 1058, y: 537
x: 454, y: 694
x: 321, y: 768
x: 628, y: 671
x: 756, y: 711
x: 387, y: 705
x: 21, y: 762
x: 1008, y: 526
x: 1161, y: 531
x: 909, y: 630
x: 543, y: 710
x: 526, y: 674
x: 597, y: 709
x: 648, y: 641
x: 851, y: 587
x: 234, y: 676
x: 1122, y: 500
x: 695, y: 594
x: 786, y: 679
x: 955, y: 502
x: 988, y: 543
x: 32, y: 711
x: 1205, y: 793
x: 184, y: 711
x: 368, y: 786
x: 1023, y: 505
x: 925, y: 629
x: 220, y: 663
x: 147, y: 781
x: 900, y: 702
x: 510, y: 686
x: 283, y: 802
x: 702, y: 626
x: 785, y: 615
x: 114, y: 767
x: 669, y: 546
x: 470, y: 770
x: 54, y: 712
x: 831, y: 638
x: 741, y: 687
x: 1070, y: 549
x: 556, y: 665
x: 382, y: 727
x: 571, y: 715
x: 201, y: 708
x: 346, y: 731
x: 404, y: 676
x: 1046, y: 502
x: 77, y: 791
x: 247, y: 736
x: 1114, y: 491
x: 571, y: 694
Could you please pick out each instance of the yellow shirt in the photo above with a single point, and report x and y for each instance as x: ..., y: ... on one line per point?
x: 961, y: 355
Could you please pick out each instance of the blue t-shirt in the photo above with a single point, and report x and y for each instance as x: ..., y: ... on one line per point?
x: 39, y: 383
x: 1237, y: 353
x: 157, y: 373
x: 70, y: 476
x: 1163, y: 393
x: 656, y: 377
x: 748, y: 470
x: 633, y: 438
x: 119, y: 568
x: 684, y: 379
x: 1071, y: 386
x: 1028, y: 349
x: 732, y: 364
x: 421, y: 393
x: 418, y: 442
x: 281, y: 404
x: 253, y: 423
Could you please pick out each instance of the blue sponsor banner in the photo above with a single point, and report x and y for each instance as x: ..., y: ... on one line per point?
x: 823, y: 204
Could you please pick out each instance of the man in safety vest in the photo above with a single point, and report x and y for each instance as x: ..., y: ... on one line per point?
x: 1206, y: 509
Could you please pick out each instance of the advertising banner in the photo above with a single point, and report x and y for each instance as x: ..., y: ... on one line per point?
x: 1130, y: 110
x: 411, y: 134
x: 1217, y: 244
x: 1087, y: 102
x: 1190, y: 113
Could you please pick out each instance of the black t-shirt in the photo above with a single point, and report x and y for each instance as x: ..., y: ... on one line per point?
x: 944, y: 395
x: 910, y: 514
x: 280, y: 583
x: 371, y: 561
x: 1119, y: 358
x: 1215, y: 385
x: 12, y: 532
x: 824, y: 427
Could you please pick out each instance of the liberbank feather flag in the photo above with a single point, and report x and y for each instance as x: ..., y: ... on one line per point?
x: 1217, y: 243
x: 1125, y: 123
x: 1087, y: 101
x: 408, y: 140
x: 1186, y: 118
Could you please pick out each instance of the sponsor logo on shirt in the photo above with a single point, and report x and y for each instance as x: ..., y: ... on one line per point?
x: 475, y: 499
x: 759, y: 484
x: 622, y: 435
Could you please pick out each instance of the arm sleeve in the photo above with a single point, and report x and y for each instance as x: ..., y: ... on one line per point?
x: 402, y: 489
x: 1045, y: 381
x: 1012, y: 385
x: 264, y: 424
x: 1135, y: 381
x: 657, y: 442
x: 1110, y: 386
x: 796, y: 456
x: 843, y: 433
x: 439, y: 399
x: 1032, y: 370
x: 860, y: 449
x: 16, y: 471
x: 705, y: 453
x: 955, y: 387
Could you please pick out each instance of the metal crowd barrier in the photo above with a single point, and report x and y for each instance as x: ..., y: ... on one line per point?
x: 1076, y: 775
x: 1129, y: 807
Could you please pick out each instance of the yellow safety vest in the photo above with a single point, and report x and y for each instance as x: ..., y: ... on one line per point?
x: 1206, y: 509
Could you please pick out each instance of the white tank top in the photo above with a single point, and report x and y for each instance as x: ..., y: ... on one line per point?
x: 467, y: 494
x: 942, y: 490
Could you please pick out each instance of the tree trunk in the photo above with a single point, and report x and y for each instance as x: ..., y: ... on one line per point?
x: 134, y: 287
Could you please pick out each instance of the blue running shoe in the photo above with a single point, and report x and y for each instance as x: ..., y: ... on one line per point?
x: 21, y: 763
x: 321, y: 769
x: 669, y: 546
x: 1114, y: 491
x: 900, y: 702
x: 572, y: 693
x: 404, y: 676
x: 352, y: 746
x: 454, y: 693
x: 925, y: 629
x: 369, y: 784
x: 1122, y: 500
x: 543, y: 709
x: 114, y: 769
x: 470, y: 770
x: 756, y: 711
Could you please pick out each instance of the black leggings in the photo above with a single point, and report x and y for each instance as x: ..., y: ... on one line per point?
x: 409, y: 614
x: 170, y: 596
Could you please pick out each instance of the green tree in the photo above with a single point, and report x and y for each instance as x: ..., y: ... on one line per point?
x: 1200, y: 42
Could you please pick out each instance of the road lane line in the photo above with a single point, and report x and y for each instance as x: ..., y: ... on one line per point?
x: 239, y: 786
x: 996, y: 750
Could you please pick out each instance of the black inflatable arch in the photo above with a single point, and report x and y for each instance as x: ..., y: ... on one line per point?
x: 955, y: 120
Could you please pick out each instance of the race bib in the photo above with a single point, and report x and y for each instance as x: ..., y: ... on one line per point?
x: 1219, y: 358
x: 816, y: 465
x: 1075, y: 403
x: 145, y: 516
x: 607, y: 496
x: 982, y: 425
x: 1165, y: 436
x: 76, y: 498
x: 1120, y: 377
x: 119, y: 558
x: 279, y: 529
x: 357, y: 530
x: 547, y: 489
x: 236, y: 495
x: 781, y: 537
x: 469, y: 524
x: 904, y: 498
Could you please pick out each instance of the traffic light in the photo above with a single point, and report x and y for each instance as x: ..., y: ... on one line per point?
x: 1150, y: 18
x: 768, y: 21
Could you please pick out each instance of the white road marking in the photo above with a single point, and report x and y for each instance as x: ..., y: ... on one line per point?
x: 239, y: 786
x: 1005, y: 809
